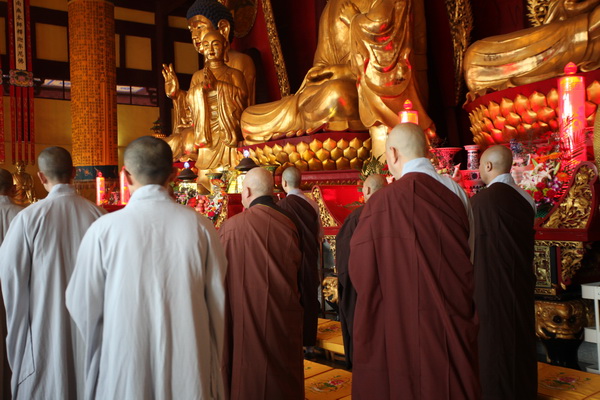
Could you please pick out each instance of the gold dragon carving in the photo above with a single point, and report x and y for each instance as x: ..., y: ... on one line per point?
x: 574, y: 211
x: 570, y: 253
x: 460, y: 17
x: 536, y: 11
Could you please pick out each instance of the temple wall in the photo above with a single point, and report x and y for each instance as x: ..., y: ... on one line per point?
x: 53, y: 117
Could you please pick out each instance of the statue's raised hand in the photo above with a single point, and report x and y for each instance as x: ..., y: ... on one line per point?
x: 210, y: 81
x: 171, y: 81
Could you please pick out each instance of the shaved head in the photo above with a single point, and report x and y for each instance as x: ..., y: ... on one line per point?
x: 409, y: 139
x: 259, y: 182
x: 405, y: 142
x: 56, y: 164
x: 149, y: 160
x: 373, y: 183
x: 6, y: 182
x: 293, y: 177
x: 496, y: 160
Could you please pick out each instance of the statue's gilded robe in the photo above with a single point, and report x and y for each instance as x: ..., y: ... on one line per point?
x: 371, y: 51
x: 216, y: 115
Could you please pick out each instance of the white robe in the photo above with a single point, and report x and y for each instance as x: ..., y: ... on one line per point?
x: 36, y: 261
x: 148, y: 296
x: 8, y: 210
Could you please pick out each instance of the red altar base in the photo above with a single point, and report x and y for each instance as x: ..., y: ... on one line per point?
x: 525, y: 112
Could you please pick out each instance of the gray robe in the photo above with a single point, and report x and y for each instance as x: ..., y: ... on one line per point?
x: 36, y: 261
x: 148, y: 296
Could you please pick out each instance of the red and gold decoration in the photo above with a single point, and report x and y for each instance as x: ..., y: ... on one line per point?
x: 21, y: 83
x: 93, y: 86
x: 526, y: 112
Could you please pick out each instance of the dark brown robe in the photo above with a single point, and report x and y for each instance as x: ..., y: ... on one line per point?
x: 415, y: 326
x: 346, y: 292
x: 307, y: 221
x: 263, y: 357
x: 504, y: 293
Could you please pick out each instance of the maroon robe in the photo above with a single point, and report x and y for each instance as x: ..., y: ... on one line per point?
x: 415, y: 326
x: 504, y: 293
x: 346, y: 292
x: 263, y: 357
x: 307, y: 221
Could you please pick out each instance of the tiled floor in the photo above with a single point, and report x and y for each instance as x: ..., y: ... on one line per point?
x: 329, y: 383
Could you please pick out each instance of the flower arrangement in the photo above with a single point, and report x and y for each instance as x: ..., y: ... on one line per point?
x: 546, y: 176
x: 208, y: 205
x: 111, y: 196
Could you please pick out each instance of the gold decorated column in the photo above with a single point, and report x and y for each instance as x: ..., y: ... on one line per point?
x: 93, y: 89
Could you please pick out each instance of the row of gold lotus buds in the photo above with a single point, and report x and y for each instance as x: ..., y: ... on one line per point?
x: 524, y: 117
x: 316, y: 155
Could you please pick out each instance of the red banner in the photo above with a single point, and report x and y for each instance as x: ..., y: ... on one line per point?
x: 21, y: 82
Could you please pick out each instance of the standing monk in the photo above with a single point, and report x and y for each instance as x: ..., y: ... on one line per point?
x: 37, y: 258
x: 306, y: 212
x: 415, y: 326
x: 8, y: 210
x: 505, y: 281
x: 346, y: 292
x: 263, y: 336
x: 148, y: 294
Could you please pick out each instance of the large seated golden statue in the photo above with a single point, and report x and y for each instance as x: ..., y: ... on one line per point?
x: 570, y: 32
x: 361, y: 74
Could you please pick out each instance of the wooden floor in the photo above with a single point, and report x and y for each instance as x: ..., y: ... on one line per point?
x: 324, y: 382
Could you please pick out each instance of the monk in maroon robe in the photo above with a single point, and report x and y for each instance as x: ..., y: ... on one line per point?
x: 307, y: 217
x: 263, y: 357
x: 415, y: 326
x: 346, y: 292
x: 504, y: 281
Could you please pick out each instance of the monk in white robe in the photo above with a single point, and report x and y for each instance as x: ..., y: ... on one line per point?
x: 148, y: 293
x: 8, y: 210
x: 36, y: 261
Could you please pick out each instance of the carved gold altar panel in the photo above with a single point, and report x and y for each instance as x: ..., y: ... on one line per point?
x: 566, y: 235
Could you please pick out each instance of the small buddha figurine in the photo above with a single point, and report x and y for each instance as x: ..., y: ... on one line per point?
x: 24, y: 193
x: 182, y: 139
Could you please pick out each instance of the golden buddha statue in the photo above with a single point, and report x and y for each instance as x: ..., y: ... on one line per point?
x: 570, y: 32
x: 207, y: 116
x: 216, y: 104
x: 360, y: 77
x: 209, y: 15
x: 24, y: 192
x: 182, y: 139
